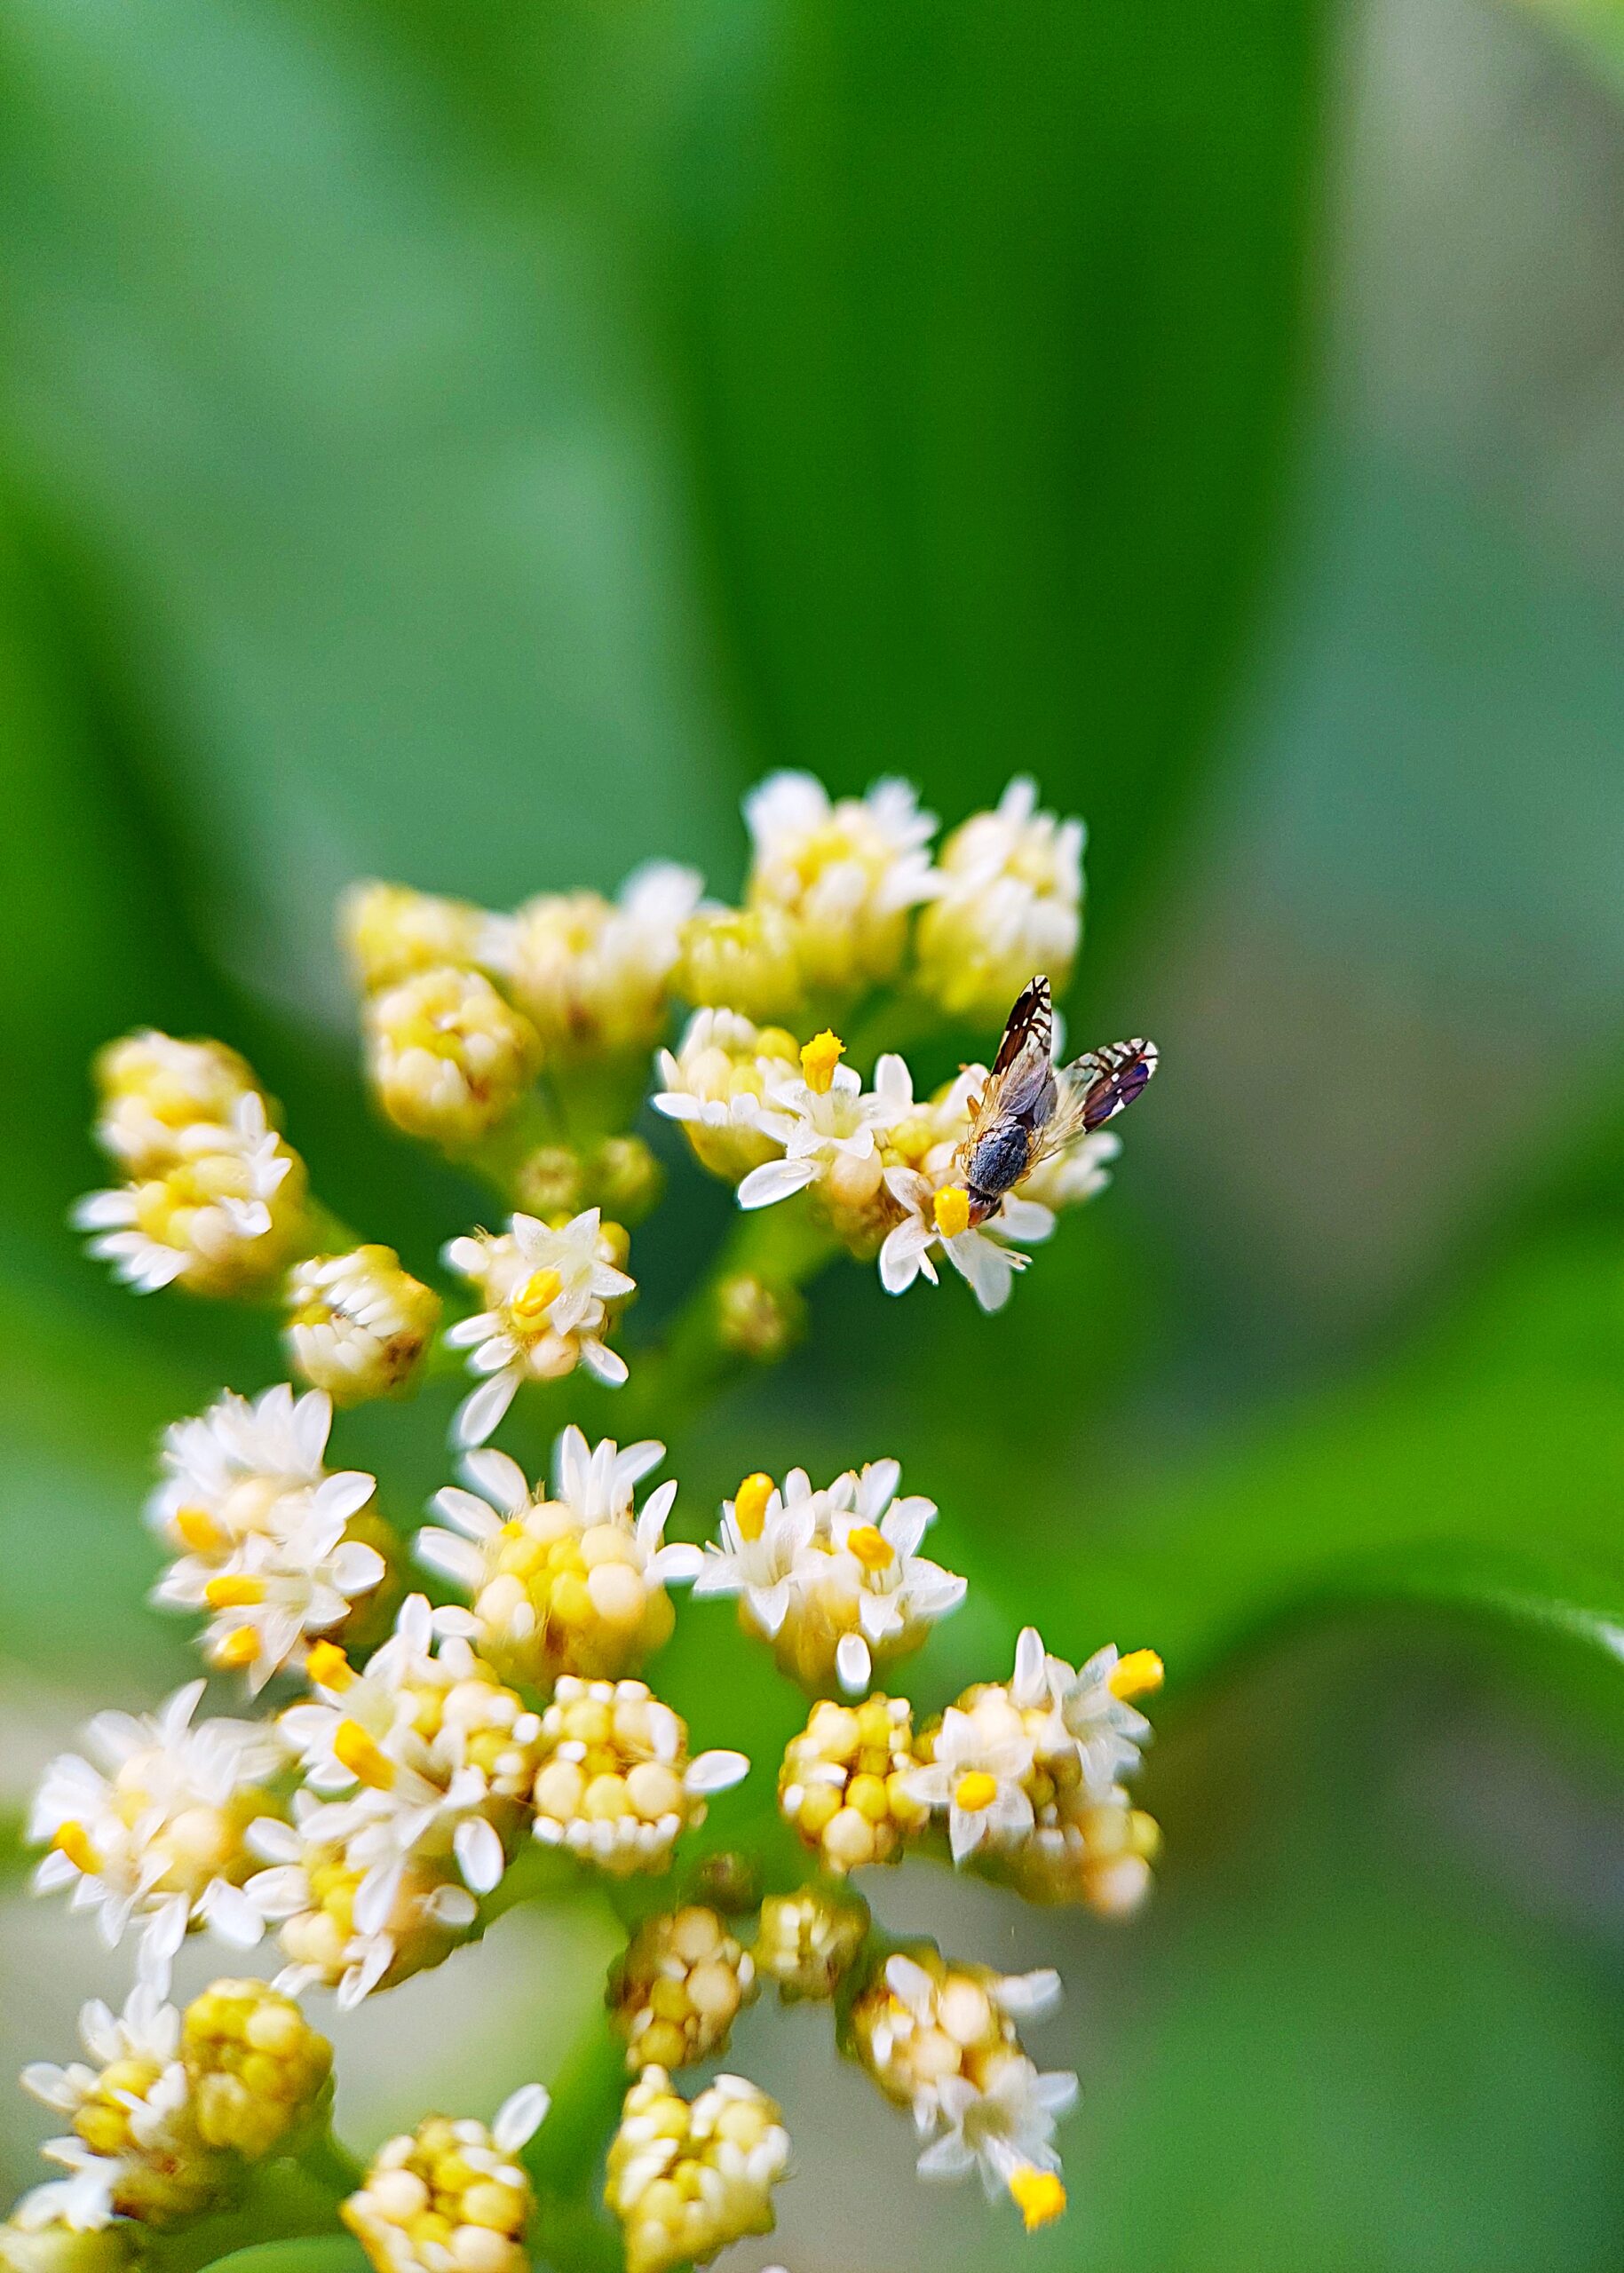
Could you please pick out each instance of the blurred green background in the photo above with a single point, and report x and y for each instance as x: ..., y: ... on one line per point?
x: 471, y: 445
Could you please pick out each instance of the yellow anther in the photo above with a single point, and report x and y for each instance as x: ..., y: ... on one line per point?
x: 975, y: 1791
x: 327, y: 1665
x: 71, y: 1840
x: 1038, y: 2194
x: 951, y: 1210
x: 1136, y: 1675
x: 235, y: 1591
x: 355, y: 1750
x: 820, y: 1059
x: 199, y: 1529
x: 531, y: 1302
x: 871, y: 1546
x: 240, y: 1647
x: 751, y: 1504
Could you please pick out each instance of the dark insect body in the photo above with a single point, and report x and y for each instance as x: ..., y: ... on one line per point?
x: 1031, y: 1109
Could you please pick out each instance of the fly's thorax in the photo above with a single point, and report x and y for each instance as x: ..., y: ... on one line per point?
x: 999, y: 1158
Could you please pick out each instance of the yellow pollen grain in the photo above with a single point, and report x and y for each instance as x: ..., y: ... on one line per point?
x: 198, y: 1530
x: 975, y: 1791
x: 240, y: 1647
x: 1136, y: 1675
x: 71, y: 1840
x: 951, y: 1210
x: 871, y: 1548
x: 1038, y: 2195
x: 327, y: 1665
x: 751, y: 1504
x: 533, y: 1300
x: 235, y: 1591
x: 820, y: 1059
x: 355, y: 1750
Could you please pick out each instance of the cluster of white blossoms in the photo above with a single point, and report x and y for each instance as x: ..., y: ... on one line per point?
x: 832, y: 1579
x: 267, y: 1543
x: 419, y: 1764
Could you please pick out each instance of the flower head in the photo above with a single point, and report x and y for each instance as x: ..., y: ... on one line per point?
x: 745, y: 958
x: 218, y: 1215
x: 979, y: 1760
x: 808, y: 1941
x: 153, y: 1088
x: 546, y: 1292
x: 828, y: 1129
x: 390, y: 932
x: 845, y: 1785
x: 616, y: 1785
x: 451, y: 2197
x: 567, y: 1581
x: 1004, y: 2129
x: 686, y: 2180
x: 1009, y: 902
x: 921, y: 2020
x: 592, y: 975
x: 358, y: 1323
x: 258, y: 2069
x: 846, y: 872
x: 715, y: 1085
x: 155, y: 1833
x: 677, y: 1989
x: 448, y: 1058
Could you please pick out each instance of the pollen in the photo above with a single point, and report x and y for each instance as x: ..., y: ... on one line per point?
x: 951, y: 1210
x: 975, y: 1791
x: 71, y: 1840
x: 751, y: 1504
x: 199, y: 1531
x: 1136, y: 1674
x: 362, y: 1756
x: 820, y: 1059
x: 531, y: 1302
x: 233, y: 1591
x: 871, y: 1548
x: 240, y: 1647
x: 328, y: 1665
x: 1038, y: 2195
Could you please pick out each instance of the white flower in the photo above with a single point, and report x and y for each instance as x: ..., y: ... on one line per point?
x: 983, y: 1757
x: 979, y: 1256
x: 397, y: 1918
x: 156, y: 1835
x: 566, y: 1583
x: 1004, y: 2131
x: 152, y: 1086
x: 546, y: 1293
x: 82, y: 2202
x: 358, y: 1323
x: 764, y: 1536
x: 713, y: 1086
x: 1008, y: 903
x: 899, y: 1591
x: 829, y: 1127
x: 274, y: 1591
x: 592, y: 975
x: 230, y: 1473
x: 1066, y: 1179
x: 216, y: 1216
x: 1109, y: 1734
x: 847, y: 872
x: 147, y: 2031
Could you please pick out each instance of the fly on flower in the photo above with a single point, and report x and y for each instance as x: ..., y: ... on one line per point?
x: 1031, y: 1110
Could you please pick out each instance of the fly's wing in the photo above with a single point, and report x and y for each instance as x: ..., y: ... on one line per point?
x: 1094, y: 1089
x: 1024, y: 1066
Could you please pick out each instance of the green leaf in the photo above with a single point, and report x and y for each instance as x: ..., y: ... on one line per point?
x: 307, y: 2254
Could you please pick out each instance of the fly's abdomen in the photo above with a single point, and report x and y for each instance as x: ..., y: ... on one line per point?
x: 1000, y: 1158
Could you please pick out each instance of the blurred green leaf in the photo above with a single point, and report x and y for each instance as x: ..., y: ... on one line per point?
x: 308, y: 2254
x: 1593, y: 27
x: 1480, y: 1472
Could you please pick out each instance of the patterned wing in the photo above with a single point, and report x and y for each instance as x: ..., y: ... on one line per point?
x: 1094, y: 1088
x: 1024, y: 1066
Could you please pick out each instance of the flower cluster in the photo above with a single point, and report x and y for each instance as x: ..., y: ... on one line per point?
x: 832, y: 1579
x: 451, y: 2197
x: 174, y: 2106
x: 213, y: 1198
x: 268, y: 1542
x: 685, y: 2178
x: 420, y: 1764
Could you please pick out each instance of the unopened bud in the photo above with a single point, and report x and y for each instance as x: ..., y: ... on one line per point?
x: 757, y: 1320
